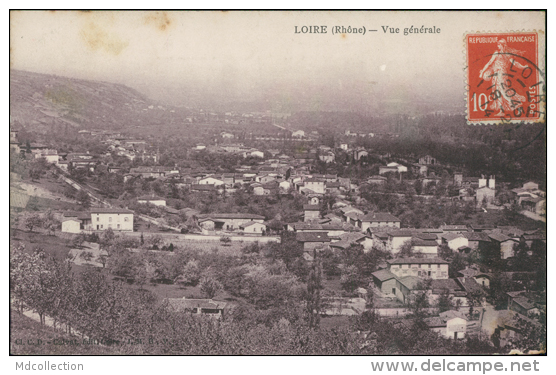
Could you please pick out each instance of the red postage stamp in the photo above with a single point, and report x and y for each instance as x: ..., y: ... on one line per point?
x: 504, y: 79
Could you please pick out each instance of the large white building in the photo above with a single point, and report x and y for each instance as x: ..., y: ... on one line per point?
x: 118, y: 219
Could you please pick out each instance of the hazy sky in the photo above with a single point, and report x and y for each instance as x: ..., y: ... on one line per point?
x: 242, y: 51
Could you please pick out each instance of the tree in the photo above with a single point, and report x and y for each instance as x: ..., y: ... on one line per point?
x: 458, y: 263
x: 210, y: 287
x: 475, y: 298
x: 445, y: 301
x: 225, y: 240
x: 350, y: 279
x: 314, y: 286
x: 191, y: 274
x: 445, y: 252
x: 33, y: 221
x: 419, y: 299
x: 83, y: 199
x: 86, y: 256
x: 406, y: 250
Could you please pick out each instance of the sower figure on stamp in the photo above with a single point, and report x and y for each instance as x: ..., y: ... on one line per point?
x: 504, y: 98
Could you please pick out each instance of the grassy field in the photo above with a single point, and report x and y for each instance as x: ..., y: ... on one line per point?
x: 52, y: 245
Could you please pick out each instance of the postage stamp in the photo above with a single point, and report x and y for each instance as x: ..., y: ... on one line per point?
x: 505, y: 78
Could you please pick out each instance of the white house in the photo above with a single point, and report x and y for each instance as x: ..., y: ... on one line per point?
x: 455, y: 240
x: 397, y: 238
x: 209, y: 180
x: 152, y: 200
x: 118, y: 219
x: 71, y: 225
x: 429, y: 248
x: 451, y: 324
x: 434, y: 268
x: 378, y: 219
x: 315, y: 184
x: 401, y: 168
x: 298, y: 134
x: 253, y: 227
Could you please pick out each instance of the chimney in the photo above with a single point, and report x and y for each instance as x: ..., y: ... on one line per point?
x: 491, y: 182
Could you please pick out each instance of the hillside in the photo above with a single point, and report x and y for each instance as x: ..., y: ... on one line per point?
x: 43, y: 103
x: 25, y: 334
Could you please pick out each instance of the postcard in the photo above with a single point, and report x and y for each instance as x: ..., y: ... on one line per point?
x: 278, y: 183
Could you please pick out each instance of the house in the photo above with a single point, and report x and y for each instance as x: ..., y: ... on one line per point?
x: 298, y: 134
x: 434, y: 268
x: 312, y: 240
x: 359, y: 153
x: 507, y: 327
x: 377, y: 220
x: 351, y: 214
x: 427, y: 247
x: 118, y: 219
x: 504, y: 243
x: 454, y: 240
x: 385, y: 169
x: 333, y: 187
x: 377, y: 180
x: 256, y: 154
x: 485, y: 195
x: 312, y: 212
x: 477, y: 240
x: 206, y: 307
x: 405, y: 287
x: 50, y: 155
x: 530, y: 238
x: 347, y: 239
x: 385, y: 281
x: 253, y: 227
x: 315, y: 184
x: 157, y: 201
x: 211, y: 180
x: 154, y: 172
x: 397, y: 238
x: 284, y: 186
x: 419, y: 169
x: 226, y: 221
x: 526, y: 303
x: 202, y: 188
x: 454, y: 228
x: 71, y: 225
x: 327, y: 157
x: 450, y: 324
x: 530, y: 185
x: 401, y: 168
x: 536, y: 205
x: 427, y: 160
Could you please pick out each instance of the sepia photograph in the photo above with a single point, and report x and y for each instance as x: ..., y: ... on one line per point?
x: 289, y: 183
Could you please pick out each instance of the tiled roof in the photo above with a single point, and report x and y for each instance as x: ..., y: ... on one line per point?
x: 499, y: 237
x: 451, y: 236
x: 311, y: 207
x: 248, y: 224
x: 379, y: 216
x: 383, y: 275
x: 420, y: 242
x: 410, y: 282
x: 400, y: 233
x: 235, y: 216
x: 477, y: 236
x: 414, y: 260
x: 110, y: 210
x: 312, y: 237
